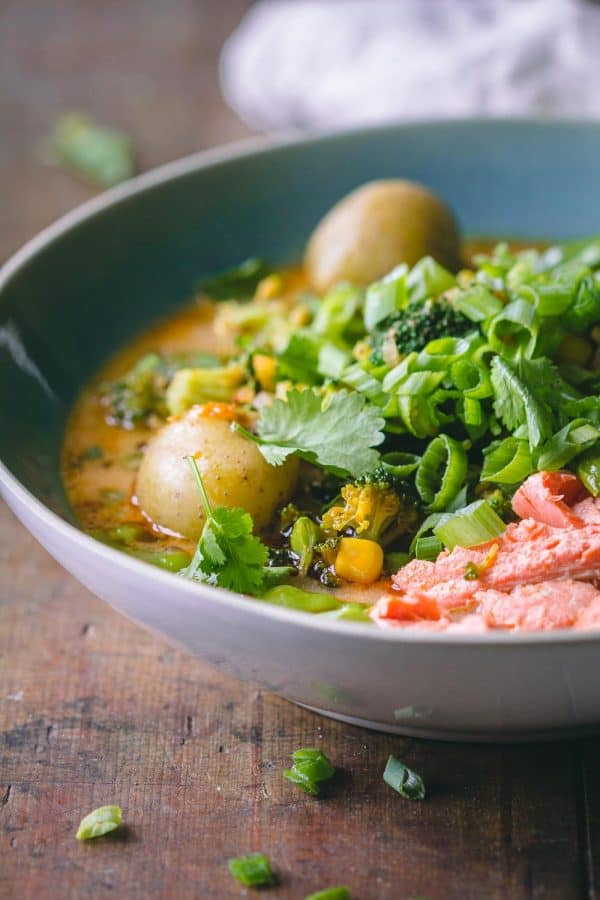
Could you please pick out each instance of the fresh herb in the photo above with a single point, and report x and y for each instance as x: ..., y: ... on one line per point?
x: 237, y: 283
x: 471, y: 571
x: 253, y: 870
x: 310, y: 768
x: 228, y: 553
x: 403, y: 780
x: 100, y: 821
x: 337, y: 433
x: 103, y: 156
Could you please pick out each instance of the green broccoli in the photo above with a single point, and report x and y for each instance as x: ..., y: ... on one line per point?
x: 141, y: 392
x: 411, y: 328
x: 377, y: 507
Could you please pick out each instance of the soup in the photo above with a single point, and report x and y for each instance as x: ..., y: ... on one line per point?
x: 403, y: 430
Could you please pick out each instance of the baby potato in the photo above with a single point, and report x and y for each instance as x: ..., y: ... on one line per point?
x: 233, y: 470
x: 376, y: 227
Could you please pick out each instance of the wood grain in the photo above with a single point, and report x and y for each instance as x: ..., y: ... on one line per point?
x: 94, y: 710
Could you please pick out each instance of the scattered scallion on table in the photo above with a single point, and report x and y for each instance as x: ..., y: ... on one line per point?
x: 310, y: 768
x: 403, y: 780
x: 332, y: 893
x: 100, y: 821
x: 252, y: 870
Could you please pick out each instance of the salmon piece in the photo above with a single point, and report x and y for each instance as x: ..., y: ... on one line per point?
x: 409, y: 607
x: 529, y: 553
x: 548, y: 497
x: 588, y: 510
x: 541, y: 607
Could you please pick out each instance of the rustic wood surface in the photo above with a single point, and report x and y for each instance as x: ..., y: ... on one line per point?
x: 94, y: 710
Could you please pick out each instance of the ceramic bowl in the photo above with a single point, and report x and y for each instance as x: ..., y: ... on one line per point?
x: 88, y: 283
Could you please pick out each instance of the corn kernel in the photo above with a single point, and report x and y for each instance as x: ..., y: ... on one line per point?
x: 265, y: 368
x: 359, y: 560
x: 269, y: 287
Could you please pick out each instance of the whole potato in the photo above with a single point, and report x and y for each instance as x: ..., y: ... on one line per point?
x: 233, y: 470
x: 376, y: 227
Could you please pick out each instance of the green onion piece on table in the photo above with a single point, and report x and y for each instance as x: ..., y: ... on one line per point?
x: 403, y: 780
x: 253, y: 870
x: 332, y: 893
x: 100, y: 821
x: 310, y: 767
x: 100, y: 154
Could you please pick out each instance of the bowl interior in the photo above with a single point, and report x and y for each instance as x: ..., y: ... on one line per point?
x: 91, y: 282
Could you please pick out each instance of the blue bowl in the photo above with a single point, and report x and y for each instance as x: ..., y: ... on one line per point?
x: 82, y: 288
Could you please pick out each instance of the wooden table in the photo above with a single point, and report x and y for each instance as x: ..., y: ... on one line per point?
x: 94, y: 710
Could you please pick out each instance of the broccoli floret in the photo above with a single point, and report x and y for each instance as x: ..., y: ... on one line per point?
x: 374, y: 508
x: 411, y: 328
x: 499, y: 500
x: 141, y: 392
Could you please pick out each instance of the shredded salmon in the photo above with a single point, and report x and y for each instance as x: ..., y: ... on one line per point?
x: 538, y: 575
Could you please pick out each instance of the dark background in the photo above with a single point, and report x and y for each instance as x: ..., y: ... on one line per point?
x: 94, y: 710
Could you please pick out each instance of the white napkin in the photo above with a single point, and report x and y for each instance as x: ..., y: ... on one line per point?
x: 324, y: 63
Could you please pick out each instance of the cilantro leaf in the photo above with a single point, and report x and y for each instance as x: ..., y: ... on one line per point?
x: 228, y: 553
x: 338, y: 433
x: 520, y: 400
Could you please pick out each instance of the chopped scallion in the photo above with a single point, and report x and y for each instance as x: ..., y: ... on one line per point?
x: 252, y: 870
x: 403, y: 780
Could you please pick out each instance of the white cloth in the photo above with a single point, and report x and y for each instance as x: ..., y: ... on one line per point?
x: 324, y: 63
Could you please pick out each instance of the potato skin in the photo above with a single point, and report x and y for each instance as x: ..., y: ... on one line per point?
x: 233, y: 470
x: 376, y: 227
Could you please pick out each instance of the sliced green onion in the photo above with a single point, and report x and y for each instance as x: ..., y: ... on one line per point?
x: 475, y: 524
x: 333, y: 360
x: 507, y: 462
x: 514, y: 331
x: 332, y: 893
x: 585, y: 310
x: 403, y: 780
x: 418, y: 415
x: 477, y: 303
x: 399, y: 463
x: 350, y: 612
x: 386, y: 297
x: 419, y: 383
x: 566, y: 444
x: 428, y: 279
x: 588, y: 469
x: 356, y: 377
x: 310, y: 767
x: 100, y: 154
x: 399, y: 372
x: 253, y: 870
x: 100, y: 821
x: 293, y: 598
x: 428, y: 547
x: 473, y: 380
x: 313, y: 763
x: 304, y: 537
x: 441, y: 472
x: 337, y: 310
x: 172, y: 560
x: 395, y: 560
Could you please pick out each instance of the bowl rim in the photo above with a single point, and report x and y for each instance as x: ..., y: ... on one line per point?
x: 212, y: 158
